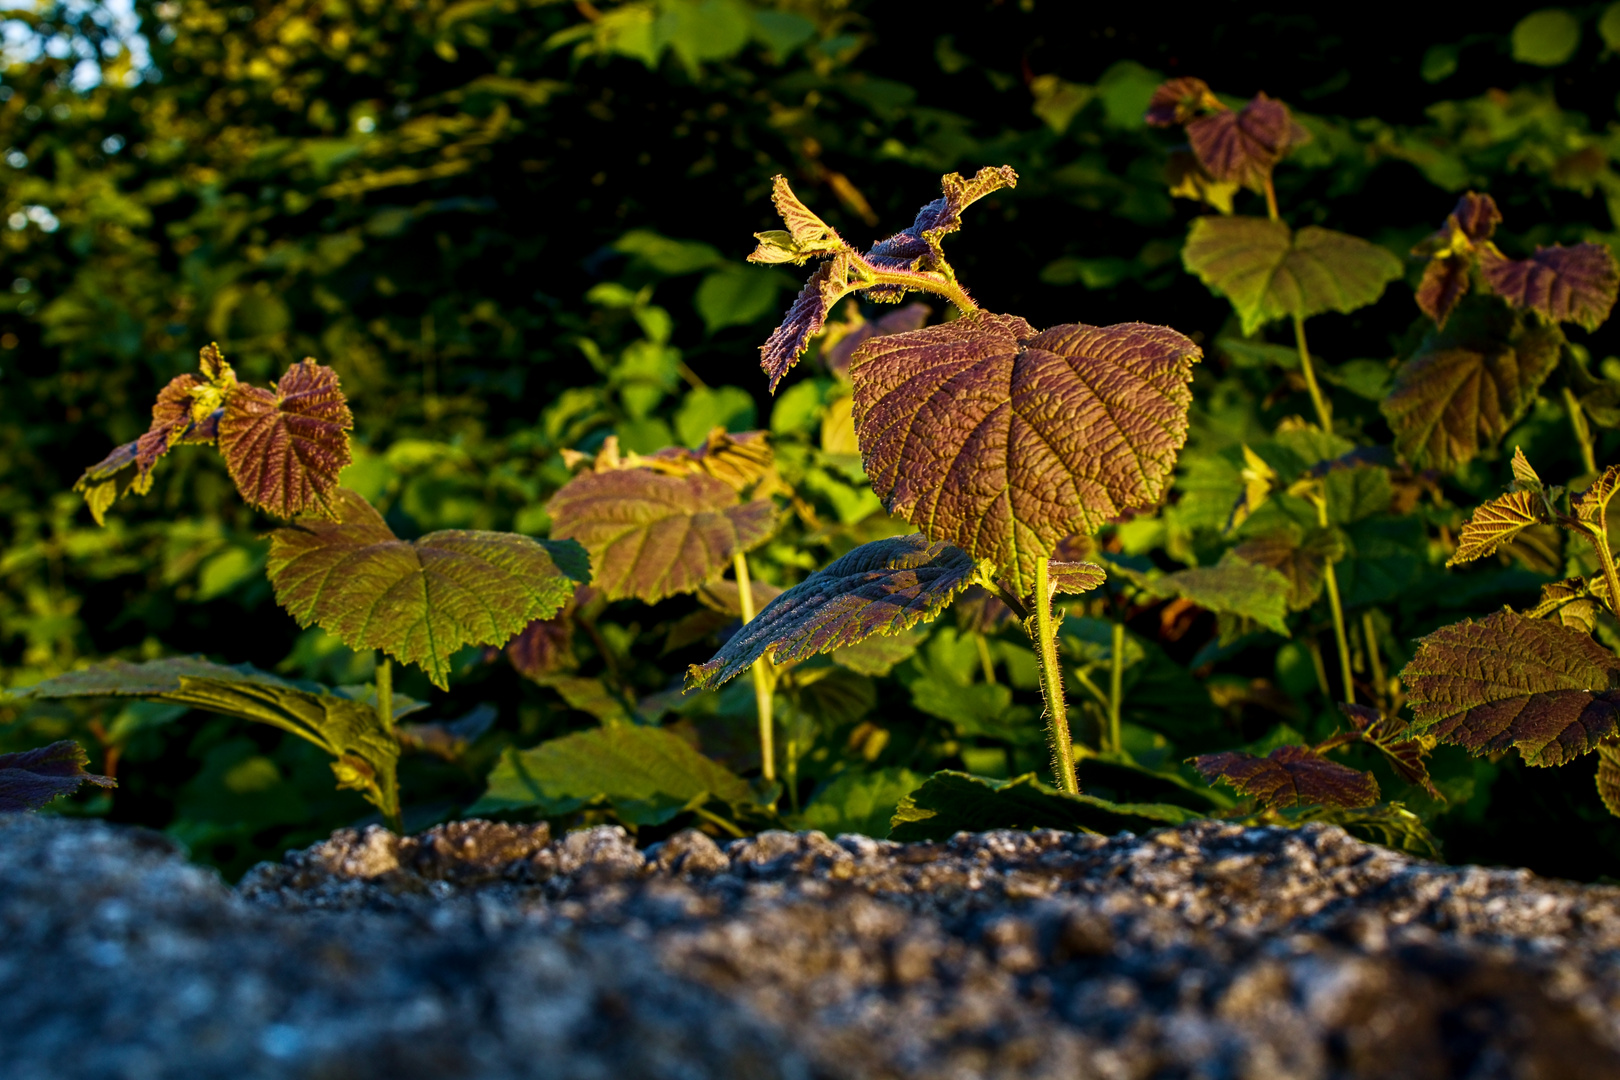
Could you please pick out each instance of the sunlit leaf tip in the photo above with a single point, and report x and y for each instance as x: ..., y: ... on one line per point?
x: 882, y: 587
x: 1243, y: 146
x: 1592, y: 506
x: 420, y: 600
x: 1496, y: 523
x: 29, y: 779
x: 1511, y: 682
x: 805, y: 237
x: 1075, y: 578
x: 285, y: 448
x: 1390, y: 735
x: 652, y: 535
x: 1575, y: 284
x: 1001, y: 440
x: 917, y: 246
x: 1290, y: 776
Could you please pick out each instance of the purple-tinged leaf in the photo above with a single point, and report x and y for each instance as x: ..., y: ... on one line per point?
x: 1002, y: 441
x: 1477, y: 216
x: 1390, y: 736
x: 545, y: 646
x: 1573, y: 602
x: 911, y: 248
x: 1497, y: 522
x: 1290, y: 776
x: 882, y: 587
x: 1074, y: 578
x: 1452, y: 252
x: 1180, y: 101
x: 911, y: 317
x: 1608, y: 775
x: 284, y: 449
x: 652, y: 535
x: 31, y: 778
x: 1244, y: 146
x: 421, y: 600
x: 1270, y: 272
x: 1565, y: 284
x: 1508, y: 681
x: 981, y: 611
x: 804, y: 320
x: 1445, y: 282
x: 171, y: 417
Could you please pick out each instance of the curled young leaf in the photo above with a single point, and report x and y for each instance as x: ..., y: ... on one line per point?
x: 882, y: 587
x: 1498, y: 522
x: 284, y: 449
x: 1180, y: 101
x: 1002, y: 441
x: 911, y: 317
x: 652, y: 535
x: 918, y: 246
x: 804, y: 320
x: 1565, y: 284
x: 1592, y: 506
x: 1244, y: 146
x: 31, y: 778
x: 1508, y: 681
x: 1290, y: 776
x: 1573, y: 602
x: 171, y: 419
x: 420, y: 600
x: 1452, y: 253
x: 1269, y: 272
x: 1445, y: 282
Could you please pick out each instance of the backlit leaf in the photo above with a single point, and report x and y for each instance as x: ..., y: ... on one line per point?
x: 1188, y: 180
x: 1466, y: 386
x: 952, y: 802
x: 883, y: 587
x: 1302, y: 557
x: 1592, y: 506
x: 420, y: 600
x: 1075, y: 578
x: 1290, y: 776
x: 31, y: 778
x: 1496, y: 523
x: 1270, y: 272
x: 1244, y: 146
x: 802, y: 225
x: 1389, y: 735
x: 171, y: 416
x: 740, y: 459
x: 1573, y: 602
x: 1525, y: 477
x: 1001, y: 440
x: 804, y: 320
x: 645, y: 775
x: 1507, y: 681
x: 284, y: 449
x: 1566, y: 284
x: 1233, y: 586
x: 913, y: 247
x: 1608, y: 775
x: 652, y: 535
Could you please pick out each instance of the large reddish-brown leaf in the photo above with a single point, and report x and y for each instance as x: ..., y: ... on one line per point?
x: 31, y: 778
x: 1290, y: 776
x: 1465, y: 389
x: 1566, y: 284
x: 1498, y: 522
x: 285, y: 448
x: 420, y: 600
x: 1002, y: 441
x: 652, y: 535
x: 1244, y: 146
x: 883, y: 587
x: 1508, y: 681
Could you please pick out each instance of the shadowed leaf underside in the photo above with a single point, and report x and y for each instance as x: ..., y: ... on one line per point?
x: 29, y: 779
x: 284, y: 449
x: 952, y: 802
x: 1508, y: 681
x: 1002, y: 441
x: 421, y: 600
x: 652, y: 535
x: 1290, y: 776
x: 883, y: 587
x: 1301, y: 558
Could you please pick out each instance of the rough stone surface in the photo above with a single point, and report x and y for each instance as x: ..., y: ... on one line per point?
x: 485, y: 950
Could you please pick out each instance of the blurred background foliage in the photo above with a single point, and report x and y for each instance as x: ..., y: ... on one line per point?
x: 517, y: 226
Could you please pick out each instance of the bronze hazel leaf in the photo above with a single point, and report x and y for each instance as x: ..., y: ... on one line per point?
x: 285, y: 449
x: 1496, y: 523
x: 988, y: 435
x: 1290, y: 776
x: 1244, y: 146
x: 1575, y: 284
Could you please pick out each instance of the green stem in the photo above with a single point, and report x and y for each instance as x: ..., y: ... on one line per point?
x: 1116, y: 678
x: 718, y: 821
x: 1324, y: 415
x: 384, y: 678
x: 1340, y: 636
x: 763, y: 691
x: 1599, y: 535
x: 1314, y: 647
x: 1583, y: 432
x: 986, y: 661
x: 1057, y: 717
x: 1375, y: 661
x: 1271, y: 199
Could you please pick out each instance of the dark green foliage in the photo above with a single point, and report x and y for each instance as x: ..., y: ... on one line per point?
x: 952, y: 802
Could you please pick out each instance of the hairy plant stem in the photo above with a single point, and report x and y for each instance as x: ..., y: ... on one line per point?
x: 1583, y: 432
x: 1599, y: 535
x: 1340, y: 636
x: 1324, y: 415
x: 384, y: 678
x: 1116, y: 678
x: 1057, y: 717
x: 986, y: 662
x: 941, y: 284
x: 760, y: 673
x: 1271, y: 199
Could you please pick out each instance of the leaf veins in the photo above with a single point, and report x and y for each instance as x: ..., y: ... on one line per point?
x: 1290, y: 776
x: 1002, y: 441
x: 284, y: 449
x: 1508, y: 681
x: 1498, y: 522
x: 1575, y: 284
x: 418, y: 600
x: 31, y: 778
x: 1244, y: 146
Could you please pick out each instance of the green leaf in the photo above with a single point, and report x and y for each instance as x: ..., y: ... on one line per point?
x: 1233, y: 586
x: 1270, y: 272
x: 707, y: 408
x: 883, y: 587
x: 667, y: 256
x: 284, y: 449
x: 420, y: 600
x: 1300, y: 556
x: 645, y: 775
x: 952, y: 802
x: 1390, y: 824
x: 859, y: 802
x: 1001, y: 440
x: 734, y: 296
x: 29, y: 779
x: 1508, y: 681
x: 1609, y: 26
x: 652, y: 535
x: 1546, y: 38
x: 1290, y: 776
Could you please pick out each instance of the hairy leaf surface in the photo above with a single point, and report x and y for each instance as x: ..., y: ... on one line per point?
x: 420, y: 600
x: 651, y: 535
x: 1496, y: 523
x: 646, y: 775
x: 1270, y: 272
x: 1002, y: 441
x: 883, y: 587
x: 911, y: 247
x: 1243, y: 146
x: 1508, y: 681
x: 284, y: 449
x: 952, y: 802
x: 1566, y: 284
x: 1290, y: 776
x: 29, y: 779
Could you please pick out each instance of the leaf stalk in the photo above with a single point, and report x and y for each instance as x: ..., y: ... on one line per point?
x: 759, y: 672
x: 1324, y: 415
x: 384, y: 678
x: 1057, y: 717
x: 1340, y: 636
x: 1116, y: 677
